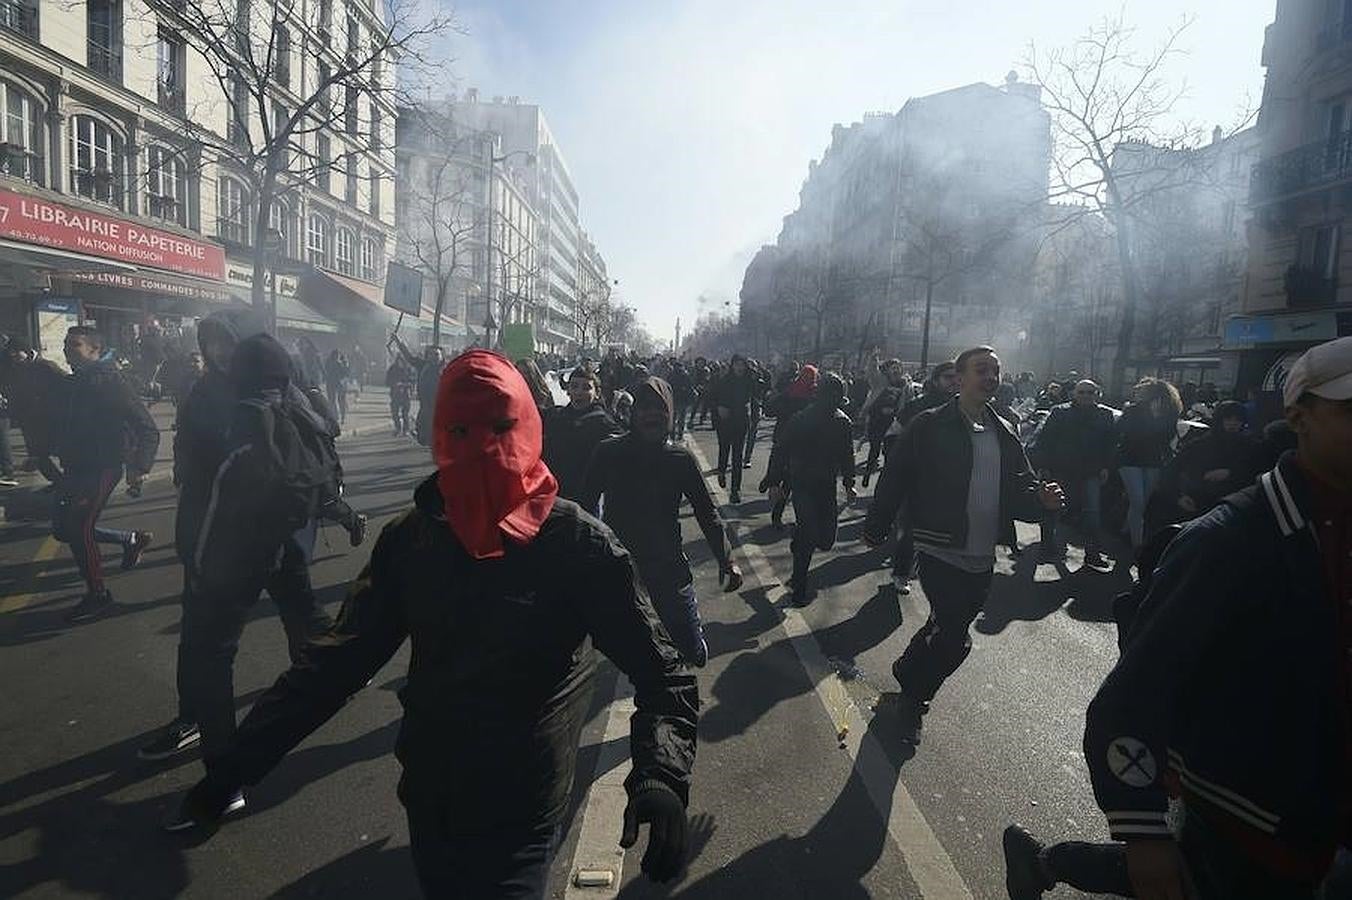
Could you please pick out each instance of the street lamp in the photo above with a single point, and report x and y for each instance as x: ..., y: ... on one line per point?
x: 493, y: 160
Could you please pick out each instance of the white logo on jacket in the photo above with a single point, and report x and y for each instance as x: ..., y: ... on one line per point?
x: 1132, y: 762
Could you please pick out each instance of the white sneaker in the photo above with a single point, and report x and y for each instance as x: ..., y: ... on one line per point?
x: 902, y: 584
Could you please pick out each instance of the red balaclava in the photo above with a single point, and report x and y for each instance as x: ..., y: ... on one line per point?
x: 805, y: 384
x: 490, y: 474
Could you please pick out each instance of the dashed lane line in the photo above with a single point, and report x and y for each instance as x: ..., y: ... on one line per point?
x: 929, y: 864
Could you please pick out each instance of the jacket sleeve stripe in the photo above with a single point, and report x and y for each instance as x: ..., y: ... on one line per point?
x: 1291, y: 508
x: 1126, y: 832
x: 1221, y: 796
x: 211, y: 505
x: 1283, y: 521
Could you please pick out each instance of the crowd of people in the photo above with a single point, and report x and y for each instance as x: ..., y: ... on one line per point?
x: 547, y: 523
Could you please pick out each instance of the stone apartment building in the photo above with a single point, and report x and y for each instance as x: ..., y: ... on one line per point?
x: 1298, y: 290
x: 125, y: 202
x: 914, y: 217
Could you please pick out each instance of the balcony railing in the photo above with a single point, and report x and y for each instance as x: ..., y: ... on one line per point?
x: 105, y: 61
x: 171, y: 98
x: 19, y: 17
x: 1313, y: 166
x: 1309, y: 287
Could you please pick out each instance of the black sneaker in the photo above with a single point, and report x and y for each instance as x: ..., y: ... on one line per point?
x: 90, y: 607
x: 175, y: 739
x: 722, y: 479
x: 1024, y: 877
x: 192, y: 814
x: 8, y: 481
x: 734, y: 497
x: 357, y: 535
x: 746, y: 464
x: 134, y: 549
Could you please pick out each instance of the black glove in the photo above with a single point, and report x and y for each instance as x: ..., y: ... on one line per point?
x: 657, y: 805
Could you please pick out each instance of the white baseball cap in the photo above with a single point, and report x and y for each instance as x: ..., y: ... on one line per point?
x: 1324, y: 370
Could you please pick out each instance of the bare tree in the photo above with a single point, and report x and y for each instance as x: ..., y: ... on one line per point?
x: 592, y: 313
x: 257, y: 53
x: 945, y: 234
x: 518, y: 275
x: 1108, y: 101
x: 446, y: 217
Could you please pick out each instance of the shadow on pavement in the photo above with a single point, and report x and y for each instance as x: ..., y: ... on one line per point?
x: 372, y: 870
x: 831, y: 860
x: 1087, y: 594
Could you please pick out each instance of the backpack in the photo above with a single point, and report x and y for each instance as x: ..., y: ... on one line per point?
x: 297, y: 462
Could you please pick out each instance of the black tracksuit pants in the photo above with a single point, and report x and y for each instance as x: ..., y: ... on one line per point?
x: 815, y: 518
x: 213, y: 622
x: 943, y: 642
x: 731, y: 447
x: 80, y: 499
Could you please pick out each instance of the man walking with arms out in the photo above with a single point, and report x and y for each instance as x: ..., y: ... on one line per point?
x: 964, y: 479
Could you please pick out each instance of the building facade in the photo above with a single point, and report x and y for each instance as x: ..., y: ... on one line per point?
x: 524, y: 134
x: 451, y: 182
x: 129, y: 173
x: 910, y: 232
x: 1298, y: 290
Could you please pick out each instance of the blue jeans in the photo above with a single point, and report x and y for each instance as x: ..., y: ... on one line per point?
x: 1139, y: 482
x: 1087, y: 494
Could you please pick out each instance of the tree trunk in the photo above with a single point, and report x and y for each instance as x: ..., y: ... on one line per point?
x: 1126, y: 329
x: 925, y: 334
x: 443, y: 287
x: 259, y: 296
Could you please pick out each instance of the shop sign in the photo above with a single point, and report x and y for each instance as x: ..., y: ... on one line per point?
x: 154, y: 284
x: 47, y: 224
x: 1297, y: 328
x: 241, y: 275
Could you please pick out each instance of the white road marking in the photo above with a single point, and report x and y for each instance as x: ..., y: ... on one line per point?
x: 602, y: 815
x: 929, y: 864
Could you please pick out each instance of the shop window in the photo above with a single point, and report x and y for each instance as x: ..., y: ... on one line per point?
x: 166, y: 185
x: 96, y: 161
x: 317, y: 241
x: 371, y: 258
x: 344, y: 250
x: 21, y: 135
x: 232, y: 211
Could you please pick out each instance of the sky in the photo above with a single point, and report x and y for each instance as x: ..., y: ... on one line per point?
x: 688, y: 125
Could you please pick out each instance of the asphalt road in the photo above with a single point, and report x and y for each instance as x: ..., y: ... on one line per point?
x: 784, y: 804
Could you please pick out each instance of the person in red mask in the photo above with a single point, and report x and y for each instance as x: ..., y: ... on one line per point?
x: 498, y: 582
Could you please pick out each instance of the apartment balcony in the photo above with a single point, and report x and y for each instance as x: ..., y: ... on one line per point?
x: 19, y: 17
x: 1312, y: 167
x: 106, y: 62
x: 1307, y: 287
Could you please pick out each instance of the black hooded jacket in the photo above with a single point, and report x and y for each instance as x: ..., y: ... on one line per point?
x: 202, y: 433
x: 105, y: 424
x: 500, y: 676
x: 643, y: 484
x: 571, y: 437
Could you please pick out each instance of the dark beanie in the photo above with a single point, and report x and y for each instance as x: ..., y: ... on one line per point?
x: 259, y: 363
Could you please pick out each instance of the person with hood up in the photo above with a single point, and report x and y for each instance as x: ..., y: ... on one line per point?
x: 202, y: 441
x: 499, y: 583
x: 573, y: 432
x: 248, y: 536
x: 106, y: 428
x: 643, y: 477
x: 732, y: 397
x: 1207, y: 470
x: 793, y: 399
x: 815, y: 448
